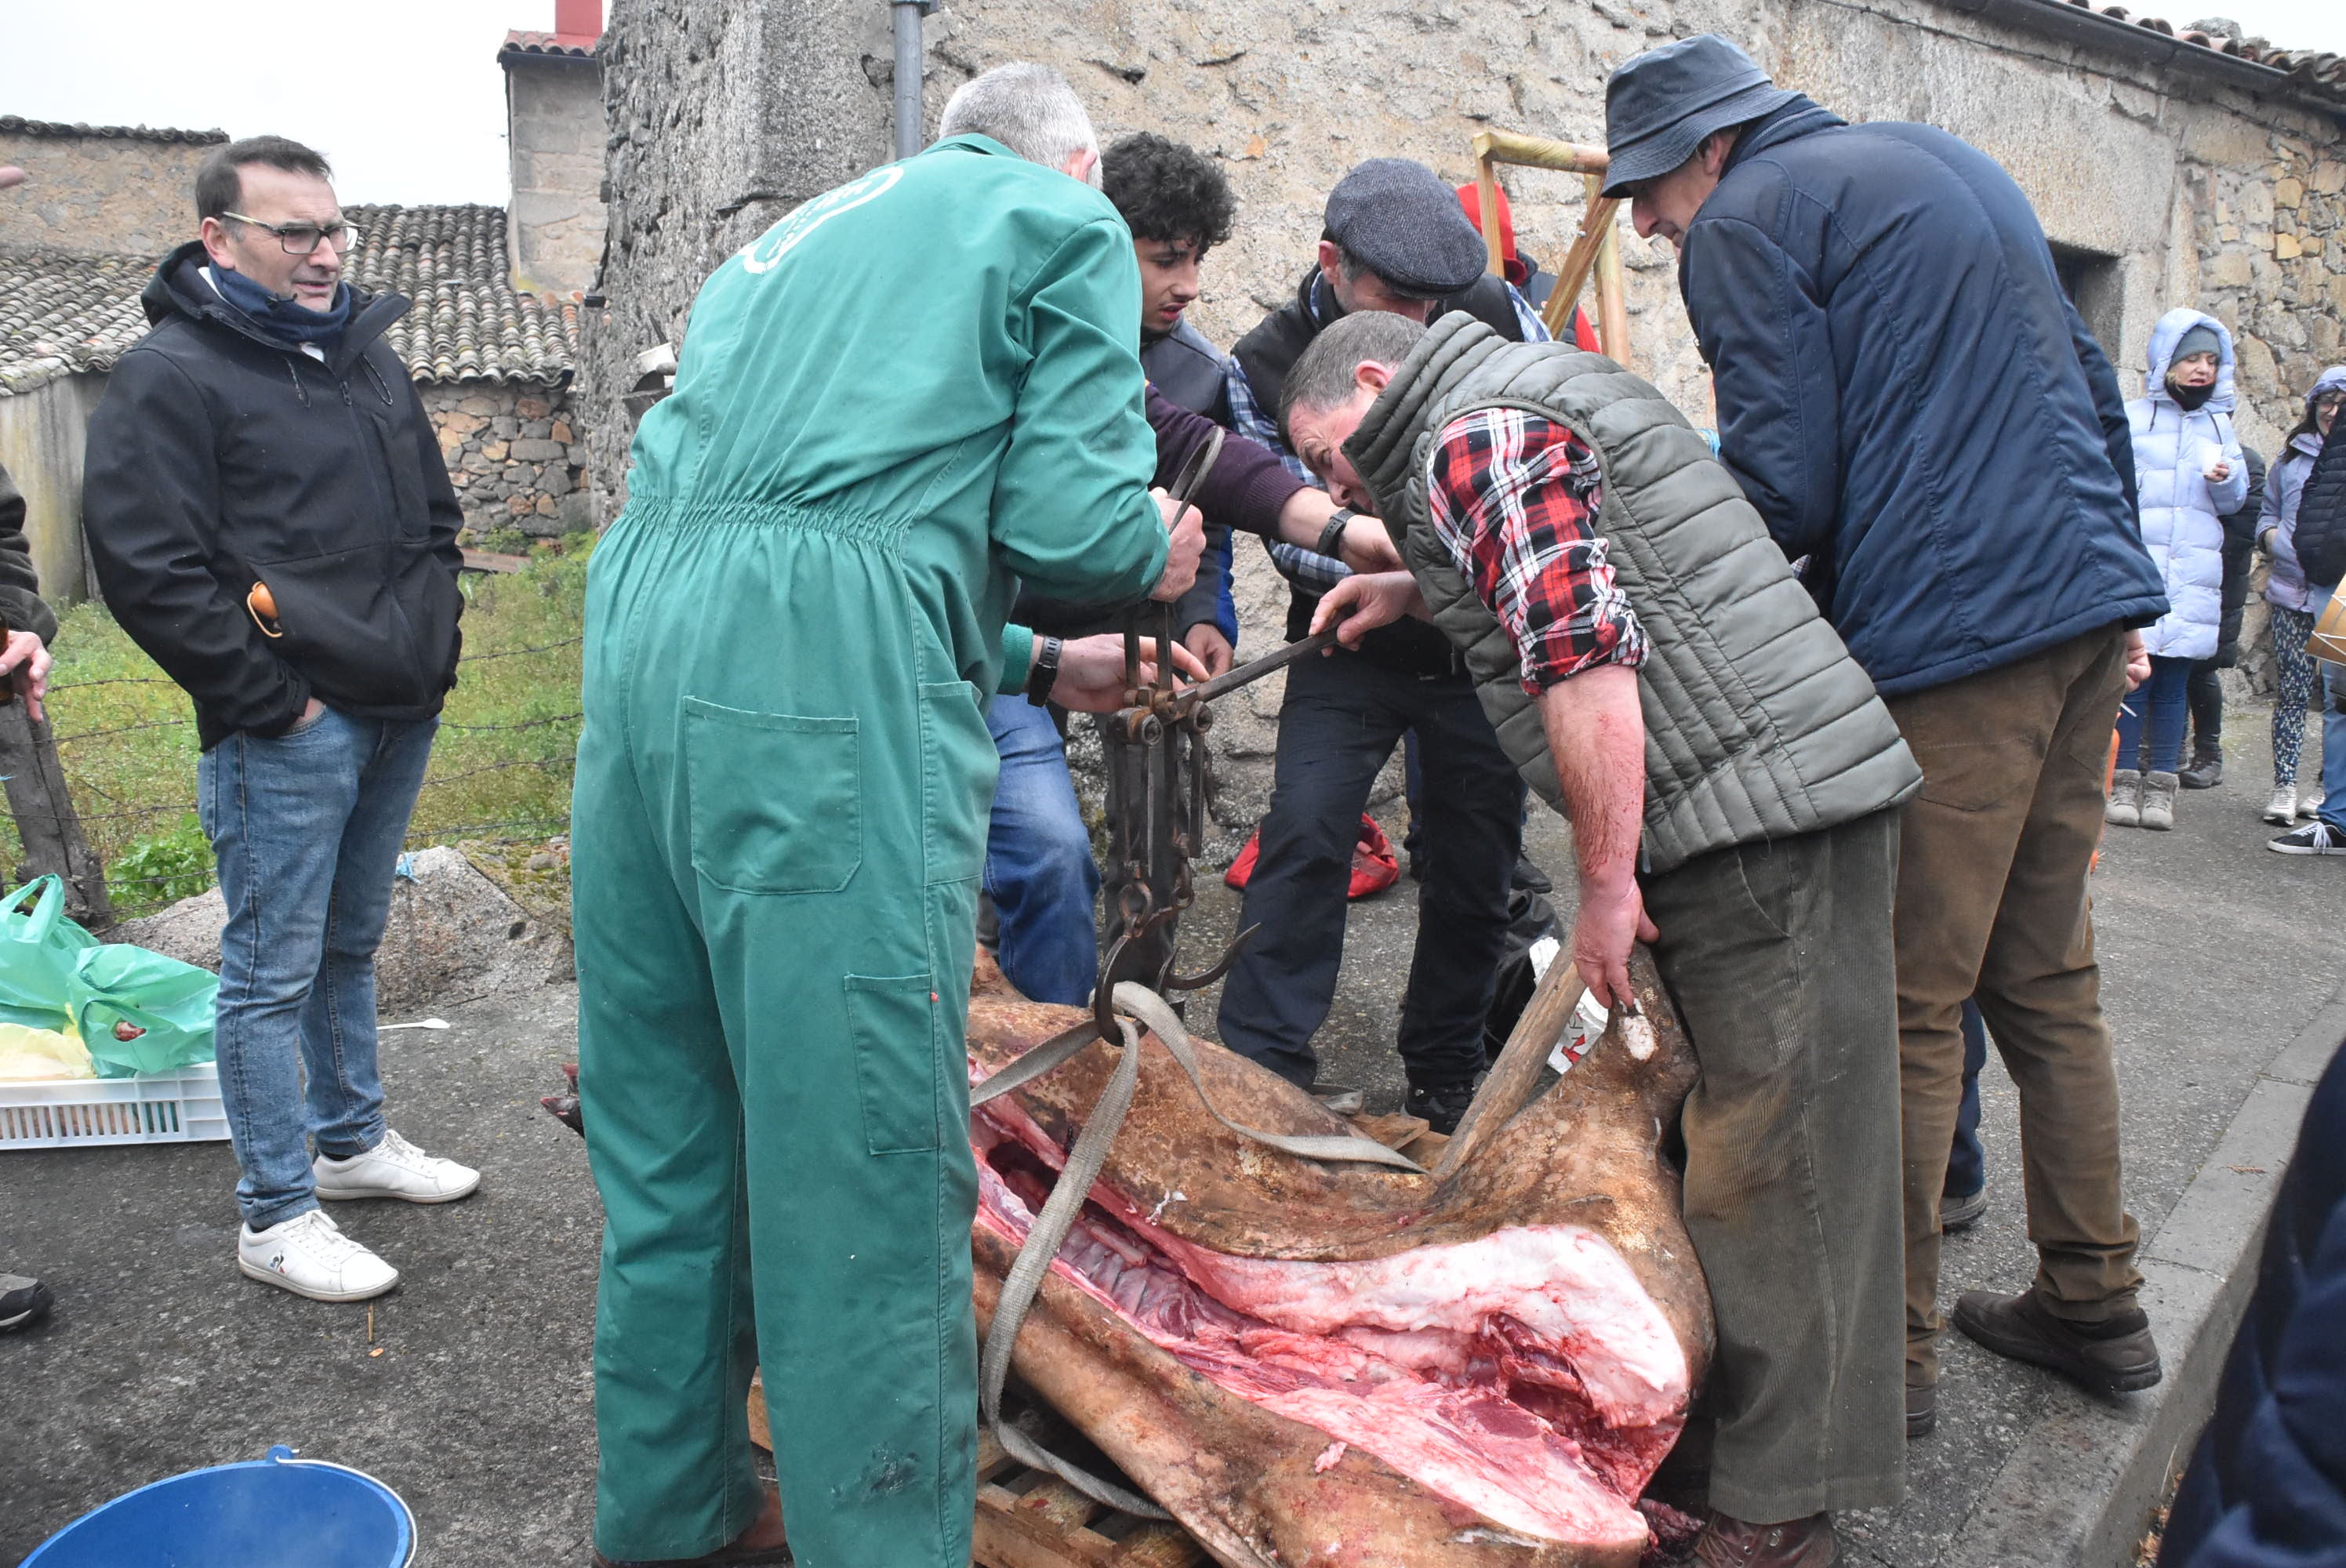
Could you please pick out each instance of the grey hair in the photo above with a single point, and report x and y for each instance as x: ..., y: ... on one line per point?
x: 1028, y: 108
x: 1323, y: 377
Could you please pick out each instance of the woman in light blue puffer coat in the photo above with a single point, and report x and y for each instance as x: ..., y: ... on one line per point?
x: 2189, y: 472
x: 2294, y: 604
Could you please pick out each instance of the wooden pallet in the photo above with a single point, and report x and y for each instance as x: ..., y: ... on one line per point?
x: 1031, y: 1519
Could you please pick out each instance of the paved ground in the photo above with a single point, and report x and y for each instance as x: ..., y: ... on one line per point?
x: 472, y: 1396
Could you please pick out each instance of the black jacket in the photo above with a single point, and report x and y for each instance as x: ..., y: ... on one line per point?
x: 1268, y: 352
x: 2267, y: 1486
x: 20, y: 586
x: 2239, y: 559
x: 218, y: 460
x: 2320, y: 536
x: 1910, y: 400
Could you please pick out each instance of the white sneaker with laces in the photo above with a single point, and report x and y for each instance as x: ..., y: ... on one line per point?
x: 2309, y: 807
x: 394, y: 1168
x: 310, y: 1256
x: 2282, y: 807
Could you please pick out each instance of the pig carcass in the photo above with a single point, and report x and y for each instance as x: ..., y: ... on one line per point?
x: 1327, y: 1364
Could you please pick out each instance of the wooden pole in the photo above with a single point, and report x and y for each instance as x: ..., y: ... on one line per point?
x: 46, y: 820
x: 1612, y: 295
x: 1486, y: 185
x: 1540, y: 152
x: 1579, y: 261
x: 1511, y: 1077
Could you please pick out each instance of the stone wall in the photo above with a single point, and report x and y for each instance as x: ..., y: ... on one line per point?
x: 100, y: 195
x: 515, y: 456
x: 553, y: 222
x: 41, y: 446
x: 2165, y: 185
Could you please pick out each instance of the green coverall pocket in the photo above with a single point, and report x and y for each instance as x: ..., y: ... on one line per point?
x: 957, y: 777
x: 893, y: 1020
x: 776, y: 800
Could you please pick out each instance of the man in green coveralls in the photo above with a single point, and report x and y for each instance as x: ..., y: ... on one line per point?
x: 780, y: 818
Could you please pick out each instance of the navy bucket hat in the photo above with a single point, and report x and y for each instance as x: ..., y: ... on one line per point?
x: 1660, y: 106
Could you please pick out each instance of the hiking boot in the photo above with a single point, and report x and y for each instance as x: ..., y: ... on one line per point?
x: 1441, y: 1104
x: 2157, y: 811
x: 1922, y: 1409
x: 2124, y: 808
x: 394, y: 1168
x: 2282, y: 807
x: 310, y: 1256
x: 23, y: 1301
x: 2316, y: 838
x: 759, y: 1546
x: 1956, y: 1212
x: 2114, y: 1357
x: 2207, y: 769
x: 1729, y: 1542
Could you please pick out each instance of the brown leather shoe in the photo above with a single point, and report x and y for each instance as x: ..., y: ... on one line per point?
x: 738, y: 1554
x: 1922, y: 1409
x: 1728, y: 1542
x: 2114, y: 1357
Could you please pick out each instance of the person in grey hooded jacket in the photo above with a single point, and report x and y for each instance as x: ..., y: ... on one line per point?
x: 2189, y: 472
x: 2291, y: 596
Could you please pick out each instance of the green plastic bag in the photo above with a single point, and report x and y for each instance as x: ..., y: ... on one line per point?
x: 39, y: 949
x: 51, y: 968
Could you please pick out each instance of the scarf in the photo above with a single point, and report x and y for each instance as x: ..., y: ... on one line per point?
x: 283, y: 321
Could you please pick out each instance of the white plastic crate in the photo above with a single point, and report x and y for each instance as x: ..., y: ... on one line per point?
x: 180, y: 1107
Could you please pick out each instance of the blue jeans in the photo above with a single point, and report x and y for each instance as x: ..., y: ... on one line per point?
x: 2333, y: 745
x: 1967, y: 1163
x: 2160, y: 702
x: 307, y: 827
x: 1038, y: 859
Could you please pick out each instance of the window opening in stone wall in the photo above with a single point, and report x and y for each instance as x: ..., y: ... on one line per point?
x: 2091, y: 282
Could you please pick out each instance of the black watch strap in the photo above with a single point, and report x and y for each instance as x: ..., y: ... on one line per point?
x: 1044, y: 672
x: 1331, y: 536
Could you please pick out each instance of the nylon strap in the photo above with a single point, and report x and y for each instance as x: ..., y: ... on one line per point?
x: 1077, y: 1178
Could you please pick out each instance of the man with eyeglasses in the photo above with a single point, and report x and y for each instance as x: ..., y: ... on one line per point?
x: 270, y: 519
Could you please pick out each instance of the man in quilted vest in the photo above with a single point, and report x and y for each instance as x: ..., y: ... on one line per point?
x: 1657, y: 673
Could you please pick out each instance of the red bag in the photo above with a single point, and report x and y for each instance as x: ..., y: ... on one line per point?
x: 1374, y: 869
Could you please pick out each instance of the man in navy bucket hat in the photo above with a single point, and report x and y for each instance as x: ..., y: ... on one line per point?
x: 1914, y: 405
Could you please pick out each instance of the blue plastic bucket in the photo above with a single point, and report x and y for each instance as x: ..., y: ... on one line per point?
x: 274, y: 1512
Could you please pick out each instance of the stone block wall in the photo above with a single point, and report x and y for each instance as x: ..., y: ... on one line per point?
x: 555, y: 131
x: 101, y: 195
x: 515, y: 456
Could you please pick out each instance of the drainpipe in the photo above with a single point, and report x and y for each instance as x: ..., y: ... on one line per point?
x: 909, y: 126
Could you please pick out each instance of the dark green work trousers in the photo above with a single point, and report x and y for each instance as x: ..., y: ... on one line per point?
x: 777, y: 836
x: 1779, y: 957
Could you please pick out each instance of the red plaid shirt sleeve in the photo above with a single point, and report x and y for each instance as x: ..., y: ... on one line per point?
x: 1513, y: 497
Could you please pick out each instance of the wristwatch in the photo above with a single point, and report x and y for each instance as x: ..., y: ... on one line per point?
x: 1331, y: 537
x: 1044, y: 672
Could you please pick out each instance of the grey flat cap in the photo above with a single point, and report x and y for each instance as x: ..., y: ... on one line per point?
x: 1398, y: 220
x: 1659, y: 106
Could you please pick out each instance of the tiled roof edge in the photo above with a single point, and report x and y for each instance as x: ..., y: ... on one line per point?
x: 18, y: 125
x: 562, y: 46
x: 2314, y: 76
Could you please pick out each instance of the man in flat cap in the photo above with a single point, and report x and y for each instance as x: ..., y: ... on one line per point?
x: 1913, y: 403
x: 1395, y: 240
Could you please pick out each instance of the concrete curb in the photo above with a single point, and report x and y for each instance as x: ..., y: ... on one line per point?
x: 2077, y: 1491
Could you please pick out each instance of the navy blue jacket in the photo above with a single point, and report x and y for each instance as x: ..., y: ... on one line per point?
x: 2320, y: 539
x: 2267, y: 1486
x: 1910, y: 400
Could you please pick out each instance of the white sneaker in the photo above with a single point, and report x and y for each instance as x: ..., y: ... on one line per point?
x: 2309, y: 807
x: 310, y: 1256
x: 2282, y: 807
x: 394, y: 1168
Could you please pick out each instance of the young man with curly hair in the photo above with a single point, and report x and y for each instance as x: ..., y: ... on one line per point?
x: 1178, y: 207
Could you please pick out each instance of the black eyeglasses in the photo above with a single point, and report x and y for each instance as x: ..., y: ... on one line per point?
x: 301, y: 238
